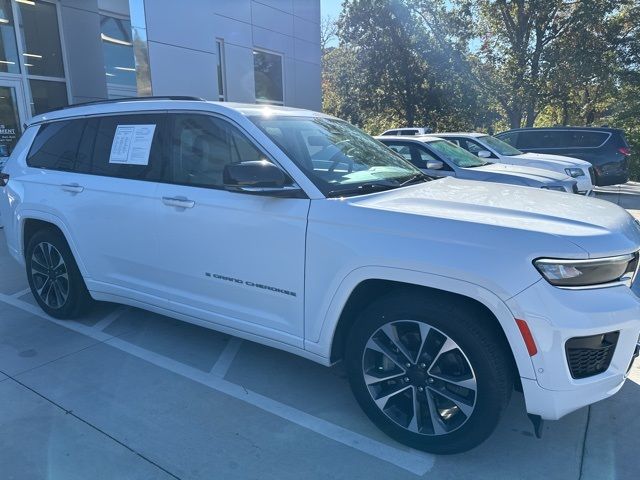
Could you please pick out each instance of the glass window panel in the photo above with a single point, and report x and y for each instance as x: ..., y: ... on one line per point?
x: 56, y: 145
x: 47, y: 96
x: 9, y: 61
x: 117, y: 46
x: 95, y: 148
x: 221, y: 73
x: 10, y: 128
x: 268, y: 77
x: 201, y: 147
x: 41, y: 39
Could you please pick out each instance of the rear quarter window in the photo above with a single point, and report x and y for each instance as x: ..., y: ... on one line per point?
x: 55, y: 146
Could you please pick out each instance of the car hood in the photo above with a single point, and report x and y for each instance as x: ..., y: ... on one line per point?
x: 599, y: 228
x: 567, y: 162
x: 522, y: 171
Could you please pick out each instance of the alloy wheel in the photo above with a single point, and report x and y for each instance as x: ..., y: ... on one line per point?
x: 419, y: 377
x: 50, y: 275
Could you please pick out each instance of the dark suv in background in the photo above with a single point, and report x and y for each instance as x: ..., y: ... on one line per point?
x: 605, y: 148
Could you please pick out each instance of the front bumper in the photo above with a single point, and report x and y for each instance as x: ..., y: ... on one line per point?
x: 554, y: 316
x: 585, y: 185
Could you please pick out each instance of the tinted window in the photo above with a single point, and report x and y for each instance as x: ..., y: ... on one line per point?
x: 202, y: 145
x: 587, y: 138
x: 41, y: 40
x: 413, y: 153
x: 268, y: 77
x: 511, y: 138
x: 95, y: 151
x: 56, y: 145
x: 561, y: 139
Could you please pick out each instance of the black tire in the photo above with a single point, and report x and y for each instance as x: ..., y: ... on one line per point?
x: 65, y: 296
x: 479, y: 344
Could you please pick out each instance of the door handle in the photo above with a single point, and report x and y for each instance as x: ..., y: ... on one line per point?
x: 72, y: 188
x: 180, y: 202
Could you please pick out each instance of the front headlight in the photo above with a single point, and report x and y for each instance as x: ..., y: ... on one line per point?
x: 589, y: 273
x: 574, y: 172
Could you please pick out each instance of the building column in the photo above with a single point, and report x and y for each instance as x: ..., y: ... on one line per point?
x: 85, y: 61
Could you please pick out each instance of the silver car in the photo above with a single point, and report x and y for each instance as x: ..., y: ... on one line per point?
x: 440, y: 158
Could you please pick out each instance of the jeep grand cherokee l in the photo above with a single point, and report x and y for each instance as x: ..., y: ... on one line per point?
x: 296, y: 230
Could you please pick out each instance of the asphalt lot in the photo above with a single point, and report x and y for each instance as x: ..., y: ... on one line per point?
x: 128, y: 394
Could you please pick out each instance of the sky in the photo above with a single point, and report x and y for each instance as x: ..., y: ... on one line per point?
x: 330, y: 7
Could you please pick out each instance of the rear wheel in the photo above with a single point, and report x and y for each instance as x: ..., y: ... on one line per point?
x: 431, y: 374
x: 54, y: 277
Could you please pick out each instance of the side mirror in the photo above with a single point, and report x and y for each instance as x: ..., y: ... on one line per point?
x: 484, y: 154
x: 434, y: 165
x: 258, y: 177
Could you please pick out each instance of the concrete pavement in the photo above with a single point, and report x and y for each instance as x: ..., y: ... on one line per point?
x: 124, y: 393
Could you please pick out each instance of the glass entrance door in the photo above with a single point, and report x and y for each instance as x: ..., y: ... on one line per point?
x: 11, y: 116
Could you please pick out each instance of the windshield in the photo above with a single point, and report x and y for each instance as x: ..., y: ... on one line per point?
x: 455, y: 154
x: 499, y: 146
x: 335, y: 155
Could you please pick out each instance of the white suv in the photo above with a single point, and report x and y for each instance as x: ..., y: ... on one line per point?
x: 296, y: 230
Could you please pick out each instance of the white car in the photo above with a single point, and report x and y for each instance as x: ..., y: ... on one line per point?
x: 439, y: 296
x: 439, y: 158
x: 495, y: 150
x: 408, y: 131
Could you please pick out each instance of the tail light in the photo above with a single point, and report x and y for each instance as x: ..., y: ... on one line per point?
x: 625, y: 151
x: 4, y: 179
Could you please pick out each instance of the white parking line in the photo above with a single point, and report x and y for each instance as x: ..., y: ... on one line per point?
x: 413, y: 461
x: 221, y: 367
x: 21, y: 293
x: 112, y: 317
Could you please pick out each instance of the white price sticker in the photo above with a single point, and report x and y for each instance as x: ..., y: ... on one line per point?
x: 132, y: 144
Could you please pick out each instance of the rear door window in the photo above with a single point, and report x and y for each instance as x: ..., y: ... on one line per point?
x: 105, y: 142
x: 55, y: 146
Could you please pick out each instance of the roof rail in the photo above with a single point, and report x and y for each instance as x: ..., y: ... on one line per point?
x: 137, y: 99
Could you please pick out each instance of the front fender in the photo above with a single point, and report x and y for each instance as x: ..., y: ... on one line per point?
x: 327, y: 321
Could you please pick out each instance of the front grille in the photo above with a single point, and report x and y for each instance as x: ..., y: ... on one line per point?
x: 588, y: 356
x: 592, y: 174
x: 575, y: 188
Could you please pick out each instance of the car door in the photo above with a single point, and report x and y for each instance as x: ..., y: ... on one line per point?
x: 107, y: 204
x: 235, y: 259
x: 120, y: 162
x: 419, y: 155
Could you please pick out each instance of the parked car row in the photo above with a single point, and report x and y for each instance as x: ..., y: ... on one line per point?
x: 593, y: 156
x: 438, y: 158
x: 297, y: 230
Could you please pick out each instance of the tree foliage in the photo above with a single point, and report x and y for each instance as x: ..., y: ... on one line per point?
x: 486, y: 64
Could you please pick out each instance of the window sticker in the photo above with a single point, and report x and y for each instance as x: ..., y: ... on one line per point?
x: 132, y: 144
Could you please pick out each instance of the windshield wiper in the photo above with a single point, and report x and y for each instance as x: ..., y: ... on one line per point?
x: 362, y: 189
x: 422, y: 177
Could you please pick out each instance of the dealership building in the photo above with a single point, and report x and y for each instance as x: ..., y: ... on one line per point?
x: 59, y: 52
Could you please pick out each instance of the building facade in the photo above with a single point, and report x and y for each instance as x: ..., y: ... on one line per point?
x: 59, y: 52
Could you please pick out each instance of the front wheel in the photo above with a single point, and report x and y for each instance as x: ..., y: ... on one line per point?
x: 429, y: 373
